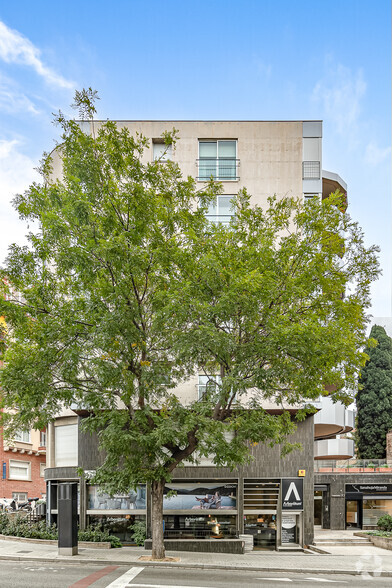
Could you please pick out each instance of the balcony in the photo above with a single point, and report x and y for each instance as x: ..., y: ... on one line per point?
x: 352, y: 466
x: 332, y: 419
x: 222, y: 169
x: 334, y: 449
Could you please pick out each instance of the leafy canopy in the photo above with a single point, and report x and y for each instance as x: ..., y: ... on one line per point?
x: 128, y: 291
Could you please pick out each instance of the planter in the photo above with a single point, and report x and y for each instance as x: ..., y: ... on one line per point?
x: 383, y: 542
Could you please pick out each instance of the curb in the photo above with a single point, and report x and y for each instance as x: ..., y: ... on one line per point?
x: 302, y: 570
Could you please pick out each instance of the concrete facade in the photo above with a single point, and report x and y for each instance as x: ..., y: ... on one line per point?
x: 271, y: 157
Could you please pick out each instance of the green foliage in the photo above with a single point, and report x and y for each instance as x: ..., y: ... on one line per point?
x: 129, y: 291
x: 95, y: 534
x: 385, y: 523
x: 139, y: 532
x: 19, y: 526
x: 374, y: 397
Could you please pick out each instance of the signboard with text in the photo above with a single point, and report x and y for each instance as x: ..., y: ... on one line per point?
x: 292, y: 494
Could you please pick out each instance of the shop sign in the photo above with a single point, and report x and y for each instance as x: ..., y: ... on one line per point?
x: 369, y: 488
x: 292, y: 494
x: 289, y: 524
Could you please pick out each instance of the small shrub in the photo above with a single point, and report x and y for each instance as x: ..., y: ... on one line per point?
x: 95, y: 534
x: 139, y: 532
x: 385, y: 523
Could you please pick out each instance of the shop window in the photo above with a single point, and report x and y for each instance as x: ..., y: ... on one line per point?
x: 19, y: 470
x: 374, y: 509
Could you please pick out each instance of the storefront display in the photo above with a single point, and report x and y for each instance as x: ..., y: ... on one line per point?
x: 132, y: 500
x: 200, y: 527
x: 118, y: 525
x: 200, y: 496
x: 263, y: 529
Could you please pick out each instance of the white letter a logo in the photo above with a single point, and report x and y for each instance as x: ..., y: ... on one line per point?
x: 292, y: 488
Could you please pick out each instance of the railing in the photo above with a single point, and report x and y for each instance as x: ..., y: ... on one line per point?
x: 220, y: 168
x: 310, y: 170
x: 348, y: 466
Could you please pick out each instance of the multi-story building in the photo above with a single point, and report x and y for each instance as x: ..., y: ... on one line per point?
x: 22, y: 460
x: 266, y: 157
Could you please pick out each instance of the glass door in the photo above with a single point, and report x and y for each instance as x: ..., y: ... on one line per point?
x: 263, y: 529
x: 353, y: 514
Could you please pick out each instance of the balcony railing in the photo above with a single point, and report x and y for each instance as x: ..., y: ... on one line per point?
x: 354, y: 466
x: 221, y: 168
x: 311, y: 170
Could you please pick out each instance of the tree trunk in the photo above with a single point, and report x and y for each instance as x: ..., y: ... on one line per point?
x: 158, y: 547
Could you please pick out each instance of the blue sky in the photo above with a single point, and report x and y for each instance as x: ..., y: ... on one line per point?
x: 262, y: 59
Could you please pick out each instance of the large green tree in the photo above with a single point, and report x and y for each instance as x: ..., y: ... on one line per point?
x: 374, y: 397
x: 127, y: 290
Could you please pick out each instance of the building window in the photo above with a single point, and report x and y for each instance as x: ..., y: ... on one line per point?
x: 19, y: 470
x: 208, y: 384
x: 42, y: 439
x: 66, y: 445
x: 161, y: 151
x: 310, y: 170
x: 20, y: 496
x: 310, y: 196
x: 22, y: 436
x: 42, y: 467
x: 222, y: 210
x: 217, y: 159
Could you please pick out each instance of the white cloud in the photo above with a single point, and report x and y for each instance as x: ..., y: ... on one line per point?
x: 12, y: 99
x: 16, y: 174
x: 374, y: 155
x: 340, y: 93
x: 15, y: 48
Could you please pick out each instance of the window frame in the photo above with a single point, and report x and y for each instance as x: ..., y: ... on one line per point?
x: 16, y: 495
x: 168, y: 154
x: 17, y: 462
x: 217, y: 177
x: 215, y: 218
x: 19, y: 434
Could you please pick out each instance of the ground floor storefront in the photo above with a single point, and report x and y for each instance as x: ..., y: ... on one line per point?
x: 269, y: 510
x: 349, y: 501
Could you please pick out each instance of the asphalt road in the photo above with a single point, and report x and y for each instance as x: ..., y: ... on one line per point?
x: 35, y: 575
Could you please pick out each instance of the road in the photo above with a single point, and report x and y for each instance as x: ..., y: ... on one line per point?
x: 36, y: 575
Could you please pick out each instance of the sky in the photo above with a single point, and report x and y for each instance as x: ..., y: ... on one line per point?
x: 254, y: 59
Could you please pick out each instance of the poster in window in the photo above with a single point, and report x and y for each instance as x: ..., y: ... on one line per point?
x: 200, y: 496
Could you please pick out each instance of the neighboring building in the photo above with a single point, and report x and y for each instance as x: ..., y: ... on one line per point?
x: 273, y: 497
x: 23, y: 463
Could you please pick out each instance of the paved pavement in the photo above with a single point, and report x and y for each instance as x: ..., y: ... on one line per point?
x: 347, y: 559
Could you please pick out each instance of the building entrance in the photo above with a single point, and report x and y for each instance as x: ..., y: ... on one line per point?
x: 353, y: 514
x: 263, y: 529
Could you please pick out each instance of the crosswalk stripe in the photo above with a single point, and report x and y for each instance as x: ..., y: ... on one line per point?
x: 123, y: 581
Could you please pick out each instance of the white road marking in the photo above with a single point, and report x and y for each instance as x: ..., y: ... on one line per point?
x: 161, y: 586
x: 325, y: 580
x: 124, y: 580
x: 275, y: 579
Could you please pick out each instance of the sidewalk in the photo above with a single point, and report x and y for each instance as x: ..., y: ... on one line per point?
x: 347, y: 559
